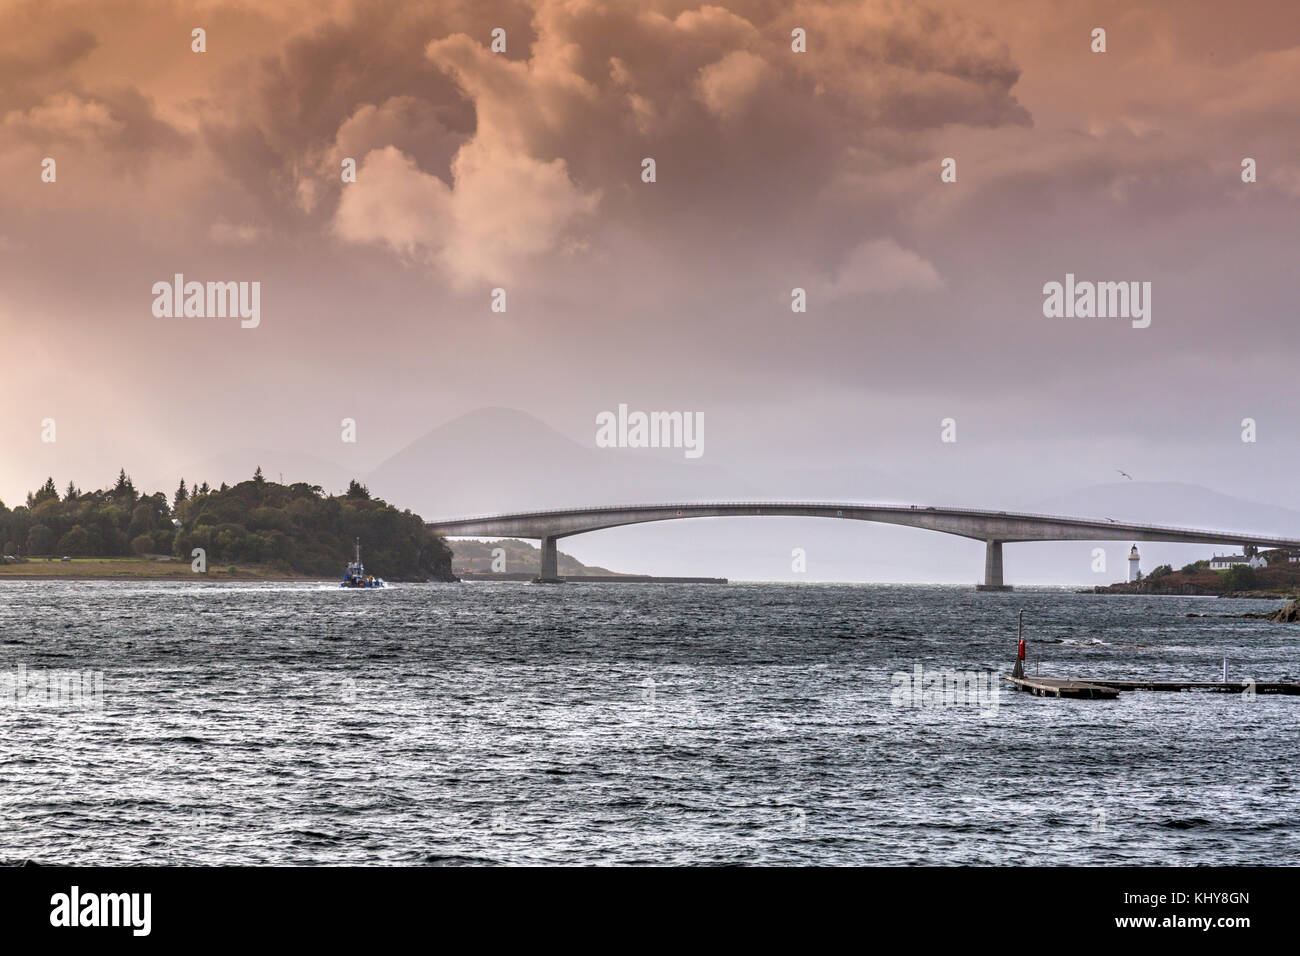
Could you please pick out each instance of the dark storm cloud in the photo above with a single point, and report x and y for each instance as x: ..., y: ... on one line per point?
x: 775, y: 170
x: 20, y: 68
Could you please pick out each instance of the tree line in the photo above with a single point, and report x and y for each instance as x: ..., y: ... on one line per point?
x: 293, y: 527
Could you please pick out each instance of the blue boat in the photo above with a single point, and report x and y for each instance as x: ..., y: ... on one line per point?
x: 355, y: 576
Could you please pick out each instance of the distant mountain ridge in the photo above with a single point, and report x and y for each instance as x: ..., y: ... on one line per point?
x: 496, y: 460
x: 517, y: 557
x: 1174, y: 503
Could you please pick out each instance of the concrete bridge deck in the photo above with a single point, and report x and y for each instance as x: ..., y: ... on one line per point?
x: 995, y: 528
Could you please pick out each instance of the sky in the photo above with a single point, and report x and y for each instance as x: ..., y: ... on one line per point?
x: 775, y: 170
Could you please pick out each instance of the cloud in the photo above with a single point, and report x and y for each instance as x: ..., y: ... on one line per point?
x: 880, y: 267
x: 544, y: 142
x: 493, y: 239
x: 464, y: 229
x: 65, y: 116
x: 775, y: 169
x: 407, y: 122
x: 119, y: 120
x: 227, y: 233
x: 52, y: 55
x: 728, y: 86
x: 394, y: 203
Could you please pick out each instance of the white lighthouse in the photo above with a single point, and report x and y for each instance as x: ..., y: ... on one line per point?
x: 1134, y: 572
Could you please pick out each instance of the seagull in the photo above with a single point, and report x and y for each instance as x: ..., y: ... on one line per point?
x: 1125, y: 474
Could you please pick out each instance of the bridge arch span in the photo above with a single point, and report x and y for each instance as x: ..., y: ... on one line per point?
x: 995, y: 528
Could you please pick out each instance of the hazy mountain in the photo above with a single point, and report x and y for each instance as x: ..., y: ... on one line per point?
x: 1174, y: 503
x: 501, y: 459
x: 520, y: 557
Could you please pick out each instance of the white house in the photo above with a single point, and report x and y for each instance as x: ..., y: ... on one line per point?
x: 1222, y: 562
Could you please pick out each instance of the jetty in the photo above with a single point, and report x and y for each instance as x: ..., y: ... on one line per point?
x: 1108, y: 689
x: 1209, y: 686
x: 1059, y: 687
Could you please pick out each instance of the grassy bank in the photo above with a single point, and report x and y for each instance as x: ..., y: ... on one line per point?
x: 142, y: 569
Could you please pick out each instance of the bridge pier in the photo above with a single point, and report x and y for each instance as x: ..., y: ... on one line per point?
x: 992, y: 568
x: 550, y: 567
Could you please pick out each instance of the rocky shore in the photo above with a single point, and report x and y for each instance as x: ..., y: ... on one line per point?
x: 1290, y: 614
x: 1287, y: 615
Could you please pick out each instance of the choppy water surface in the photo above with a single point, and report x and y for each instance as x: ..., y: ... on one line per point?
x: 509, y: 723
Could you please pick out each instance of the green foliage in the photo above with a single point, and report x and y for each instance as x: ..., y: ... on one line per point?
x: 142, y: 521
x: 124, y: 490
x: 1240, y: 577
x: 296, y: 527
x: 303, y: 529
x: 1196, y: 566
x: 76, y: 541
x: 41, y: 539
x: 46, y: 492
x: 1161, y: 571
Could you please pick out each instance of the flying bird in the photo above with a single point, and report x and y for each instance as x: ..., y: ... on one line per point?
x: 1125, y: 474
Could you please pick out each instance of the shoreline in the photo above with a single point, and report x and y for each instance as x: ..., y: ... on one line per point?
x: 145, y: 569
x: 1257, y: 594
x: 153, y: 569
x: 241, y: 576
x: 209, y: 578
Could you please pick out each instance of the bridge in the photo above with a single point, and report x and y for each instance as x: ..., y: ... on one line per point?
x: 994, y: 528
